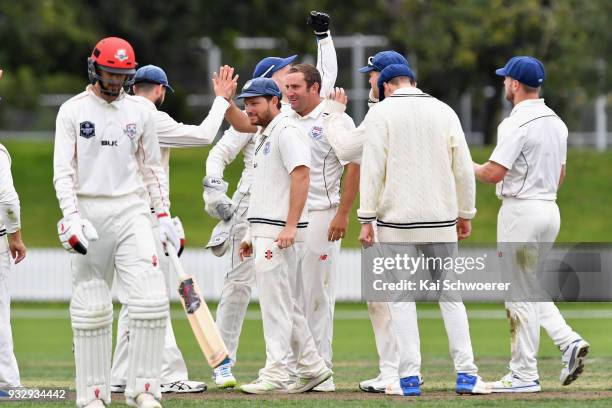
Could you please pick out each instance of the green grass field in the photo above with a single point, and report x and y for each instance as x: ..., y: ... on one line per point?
x: 43, y: 347
x: 585, y: 215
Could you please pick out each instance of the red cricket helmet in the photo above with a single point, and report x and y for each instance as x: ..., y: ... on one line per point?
x: 114, y: 55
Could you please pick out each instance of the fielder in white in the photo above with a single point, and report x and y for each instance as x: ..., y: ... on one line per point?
x: 417, y: 182
x: 348, y: 146
x: 106, y: 155
x: 277, y: 218
x: 150, y: 87
x: 328, y: 210
x: 11, y: 246
x: 227, y: 235
x: 528, y: 166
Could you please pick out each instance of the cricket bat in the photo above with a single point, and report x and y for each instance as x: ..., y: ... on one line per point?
x: 198, y: 314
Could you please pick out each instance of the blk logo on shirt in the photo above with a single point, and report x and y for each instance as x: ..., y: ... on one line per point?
x: 111, y: 143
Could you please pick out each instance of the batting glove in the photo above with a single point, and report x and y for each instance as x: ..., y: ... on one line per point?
x: 178, y: 225
x: 75, y: 233
x: 168, y: 232
x: 216, y: 202
x: 319, y: 21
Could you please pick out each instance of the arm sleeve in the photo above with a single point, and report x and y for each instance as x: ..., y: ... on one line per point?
x: 175, y: 134
x: 149, y: 161
x: 327, y: 64
x: 64, y: 163
x: 463, y: 171
x: 225, y: 151
x: 509, y: 146
x: 346, y: 141
x: 373, y: 166
x: 10, y: 212
x: 294, y: 148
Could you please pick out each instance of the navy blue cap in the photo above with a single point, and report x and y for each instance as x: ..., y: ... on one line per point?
x: 269, y: 65
x: 527, y: 70
x: 382, y: 59
x: 152, y: 74
x: 260, y: 87
x: 392, y: 71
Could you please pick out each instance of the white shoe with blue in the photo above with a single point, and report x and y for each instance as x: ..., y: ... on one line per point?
x: 407, y: 386
x: 511, y: 383
x: 223, y: 375
x: 471, y: 384
x: 572, y: 361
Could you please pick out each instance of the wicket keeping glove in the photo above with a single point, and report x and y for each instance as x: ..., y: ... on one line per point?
x: 319, y: 21
x: 75, y: 233
x: 216, y: 202
x: 168, y: 232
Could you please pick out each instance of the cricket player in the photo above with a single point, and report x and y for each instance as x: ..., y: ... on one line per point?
x: 150, y: 87
x: 227, y: 235
x: 328, y: 210
x: 106, y: 155
x: 528, y: 166
x: 348, y: 145
x: 417, y: 182
x: 11, y: 246
x: 278, y: 218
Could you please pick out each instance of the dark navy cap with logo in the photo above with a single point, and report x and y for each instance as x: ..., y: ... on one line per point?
x: 392, y: 71
x: 382, y: 60
x: 152, y: 74
x: 269, y: 65
x: 527, y: 70
x: 260, y: 87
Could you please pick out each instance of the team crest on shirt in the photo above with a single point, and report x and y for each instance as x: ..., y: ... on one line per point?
x: 266, y: 148
x: 87, y: 129
x: 316, y: 132
x: 130, y: 130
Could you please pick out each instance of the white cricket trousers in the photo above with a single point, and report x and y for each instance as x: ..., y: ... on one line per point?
x: 315, y: 280
x: 235, y: 297
x: 125, y: 247
x: 285, y: 328
x: 404, y: 321
x: 530, y: 221
x: 173, y: 364
x: 385, y: 339
x: 9, y: 373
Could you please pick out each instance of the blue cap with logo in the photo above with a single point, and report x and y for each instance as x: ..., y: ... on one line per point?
x: 260, y: 87
x: 152, y: 74
x: 390, y: 72
x: 269, y: 65
x: 382, y: 59
x: 527, y: 70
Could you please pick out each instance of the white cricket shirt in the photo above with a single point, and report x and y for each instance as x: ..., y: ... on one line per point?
x: 326, y: 170
x: 532, y: 145
x: 9, y: 200
x: 106, y: 150
x: 280, y: 148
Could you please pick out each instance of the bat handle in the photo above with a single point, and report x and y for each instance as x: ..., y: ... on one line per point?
x: 176, y: 263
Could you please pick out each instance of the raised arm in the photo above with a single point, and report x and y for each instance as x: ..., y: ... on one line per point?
x: 346, y: 142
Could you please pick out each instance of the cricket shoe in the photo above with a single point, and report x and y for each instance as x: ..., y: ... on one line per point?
x: 143, y: 400
x: 471, y: 384
x: 572, y: 361
x: 260, y: 386
x: 307, y: 384
x: 407, y: 386
x: 223, y: 376
x: 511, y: 383
x: 326, y: 386
x: 183, y: 386
x: 117, y: 388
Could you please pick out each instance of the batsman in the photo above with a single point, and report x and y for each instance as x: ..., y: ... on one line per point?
x: 106, y: 155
